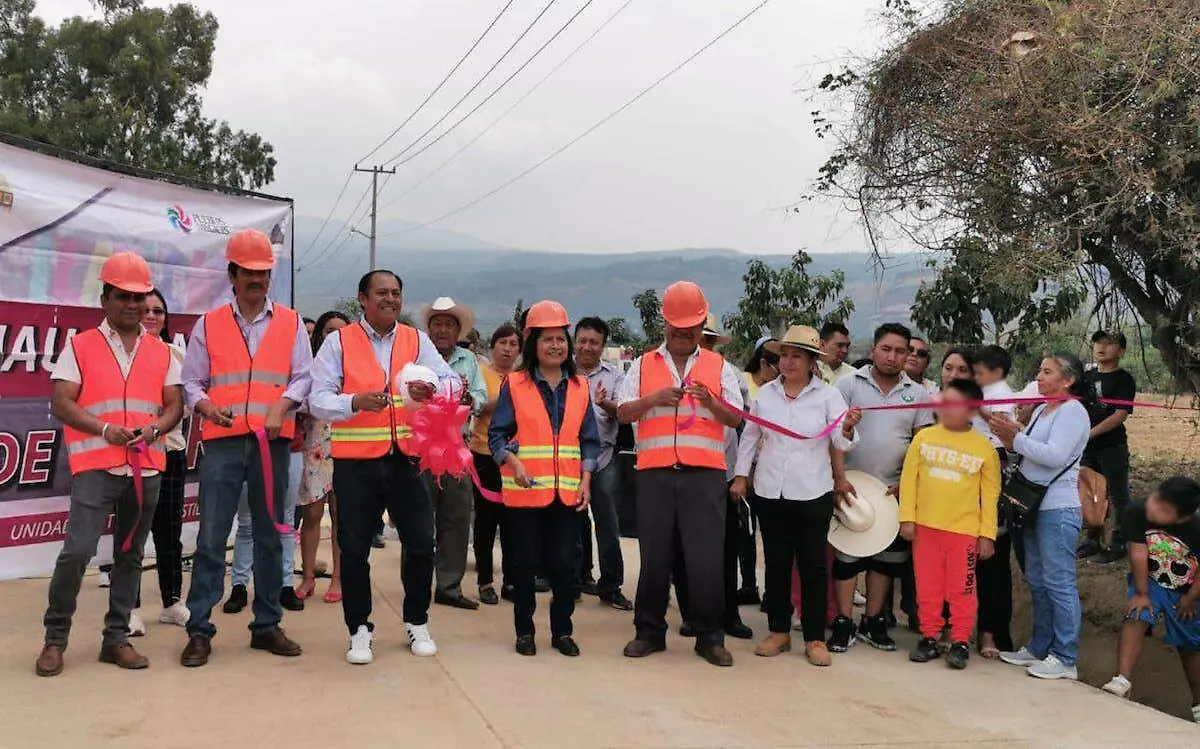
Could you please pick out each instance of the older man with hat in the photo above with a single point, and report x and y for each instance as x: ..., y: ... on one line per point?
x: 681, y: 489
x: 447, y: 322
x: 248, y: 367
x: 116, y: 392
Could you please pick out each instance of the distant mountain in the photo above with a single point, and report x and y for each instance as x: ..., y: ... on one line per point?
x: 491, y: 278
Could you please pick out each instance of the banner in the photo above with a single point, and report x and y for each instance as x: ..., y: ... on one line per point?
x: 59, y: 221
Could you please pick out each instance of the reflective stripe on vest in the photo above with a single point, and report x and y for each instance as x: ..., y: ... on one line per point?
x: 132, y: 402
x: 369, y: 434
x: 248, y: 385
x: 552, y: 461
x: 661, y: 442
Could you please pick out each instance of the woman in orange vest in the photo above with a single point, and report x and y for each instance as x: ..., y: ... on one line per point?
x: 543, y: 436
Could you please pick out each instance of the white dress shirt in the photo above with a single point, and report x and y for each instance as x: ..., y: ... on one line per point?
x: 731, y: 379
x: 789, y: 468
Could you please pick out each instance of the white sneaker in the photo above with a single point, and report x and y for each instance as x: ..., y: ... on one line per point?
x: 104, y: 580
x: 361, y: 649
x: 176, y: 614
x: 1196, y: 713
x: 797, y: 625
x: 137, y: 627
x: 1119, y: 686
x: 859, y: 599
x: 1021, y: 657
x: 1052, y: 668
x: 419, y: 640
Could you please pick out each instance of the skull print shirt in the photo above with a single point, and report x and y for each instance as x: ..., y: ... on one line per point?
x: 1172, y: 549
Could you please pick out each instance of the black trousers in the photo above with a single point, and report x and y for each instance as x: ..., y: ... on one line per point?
x: 1113, y: 463
x: 167, y: 529
x: 795, y: 532
x: 994, y: 589
x: 489, y: 520
x: 681, y: 509
x: 735, y: 533
x: 365, y: 488
x: 543, y: 538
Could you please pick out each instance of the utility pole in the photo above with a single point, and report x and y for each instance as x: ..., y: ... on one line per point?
x: 375, y: 172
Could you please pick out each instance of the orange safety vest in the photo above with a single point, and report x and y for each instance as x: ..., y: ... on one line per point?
x: 107, y: 394
x: 661, y: 443
x: 248, y: 385
x: 552, y: 460
x: 370, y: 434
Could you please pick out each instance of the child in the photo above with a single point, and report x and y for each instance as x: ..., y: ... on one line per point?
x: 992, y: 364
x: 1164, y: 544
x: 948, y: 493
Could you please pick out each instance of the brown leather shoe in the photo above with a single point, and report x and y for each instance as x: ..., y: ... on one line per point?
x: 817, y: 653
x: 642, y: 648
x: 123, y: 655
x: 715, y: 654
x: 776, y: 643
x: 196, y: 652
x: 50, y: 661
x: 274, y: 641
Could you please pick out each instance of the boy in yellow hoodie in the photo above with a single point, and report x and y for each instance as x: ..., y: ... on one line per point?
x: 948, y: 493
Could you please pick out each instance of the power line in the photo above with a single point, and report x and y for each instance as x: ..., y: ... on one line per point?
x: 590, y: 130
x: 478, y: 83
x: 506, y: 112
x: 375, y: 172
x: 442, y: 83
x: 337, y: 201
x: 495, y: 91
x: 325, y: 252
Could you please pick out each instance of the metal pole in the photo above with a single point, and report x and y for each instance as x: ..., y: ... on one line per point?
x: 374, y: 209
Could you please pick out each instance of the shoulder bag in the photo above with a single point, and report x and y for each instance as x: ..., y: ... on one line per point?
x: 1021, y: 497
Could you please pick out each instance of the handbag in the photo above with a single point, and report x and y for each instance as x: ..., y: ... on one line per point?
x: 1022, y: 497
x: 1093, y: 497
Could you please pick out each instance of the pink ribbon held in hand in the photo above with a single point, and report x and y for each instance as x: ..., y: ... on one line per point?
x: 136, y: 453
x: 268, y: 474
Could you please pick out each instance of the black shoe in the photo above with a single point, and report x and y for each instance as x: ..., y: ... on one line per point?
x: 1109, y: 556
x: 687, y: 630
x: 715, y: 653
x: 925, y: 651
x: 506, y: 593
x: 289, y: 600
x: 237, y: 600
x: 378, y: 541
x: 739, y: 630
x: 890, y: 620
x: 617, y: 601
x: 748, y: 596
x: 541, y: 585
x: 589, y: 587
x: 487, y: 596
x: 459, y: 601
x: 565, y: 645
x: 873, y: 631
x: 642, y: 648
x: 197, y: 651
x: 526, y: 646
x: 274, y: 641
x: 1088, y: 549
x: 842, y: 636
x: 959, y: 654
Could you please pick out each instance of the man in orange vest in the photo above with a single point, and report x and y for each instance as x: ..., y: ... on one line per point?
x: 354, y: 387
x: 116, y: 392
x: 246, y: 371
x: 681, y: 489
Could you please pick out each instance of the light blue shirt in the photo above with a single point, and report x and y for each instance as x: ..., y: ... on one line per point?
x: 608, y: 377
x: 197, y: 366
x: 463, y: 362
x: 1055, y: 441
x: 327, y: 401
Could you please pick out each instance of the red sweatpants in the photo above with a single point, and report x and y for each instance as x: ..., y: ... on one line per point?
x: 944, y: 565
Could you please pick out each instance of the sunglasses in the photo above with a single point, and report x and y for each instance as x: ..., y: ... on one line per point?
x: 921, y: 353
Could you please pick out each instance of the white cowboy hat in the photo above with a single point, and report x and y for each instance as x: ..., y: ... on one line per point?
x: 870, y: 524
x: 713, y: 330
x: 444, y: 305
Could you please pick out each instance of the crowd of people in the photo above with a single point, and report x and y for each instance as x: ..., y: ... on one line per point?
x: 867, y: 482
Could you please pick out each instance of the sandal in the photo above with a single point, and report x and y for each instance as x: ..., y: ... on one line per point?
x: 307, y: 588
x: 333, y: 596
x: 989, y: 653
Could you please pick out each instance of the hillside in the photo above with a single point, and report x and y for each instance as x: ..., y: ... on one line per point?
x: 491, y: 278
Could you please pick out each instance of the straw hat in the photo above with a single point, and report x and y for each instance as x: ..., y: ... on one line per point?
x: 798, y: 336
x: 871, y: 521
x: 713, y: 330
x: 444, y: 305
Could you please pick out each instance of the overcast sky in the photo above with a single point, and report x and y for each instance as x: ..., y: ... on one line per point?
x: 707, y: 159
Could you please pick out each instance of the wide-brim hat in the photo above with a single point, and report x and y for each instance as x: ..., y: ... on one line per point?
x: 713, y: 330
x: 444, y: 305
x: 882, y: 511
x: 798, y: 336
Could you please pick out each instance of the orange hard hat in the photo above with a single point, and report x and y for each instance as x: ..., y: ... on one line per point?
x: 546, y: 314
x: 127, y: 272
x: 684, y: 305
x: 250, y: 249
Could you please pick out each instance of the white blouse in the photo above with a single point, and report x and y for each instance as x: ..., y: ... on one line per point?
x: 786, y: 467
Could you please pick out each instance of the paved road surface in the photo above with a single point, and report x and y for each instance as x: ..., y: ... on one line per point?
x: 477, y: 693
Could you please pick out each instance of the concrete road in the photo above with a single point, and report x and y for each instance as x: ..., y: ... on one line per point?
x: 478, y: 693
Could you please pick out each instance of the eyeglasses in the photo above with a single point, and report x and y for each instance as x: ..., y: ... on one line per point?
x: 921, y: 353
x: 155, y: 311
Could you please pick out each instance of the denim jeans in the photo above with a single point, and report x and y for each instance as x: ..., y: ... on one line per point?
x: 1050, y: 573
x: 606, y: 490
x: 243, y: 540
x: 231, y: 465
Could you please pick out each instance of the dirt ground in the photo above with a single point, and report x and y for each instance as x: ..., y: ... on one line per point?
x: 1163, y: 444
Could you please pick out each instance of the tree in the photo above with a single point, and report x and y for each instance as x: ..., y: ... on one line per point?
x: 956, y: 308
x: 125, y: 87
x: 1067, y: 133
x: 777, y: 298
x: 649, y: 307
x: 519, y: 311
x: 619, y: 334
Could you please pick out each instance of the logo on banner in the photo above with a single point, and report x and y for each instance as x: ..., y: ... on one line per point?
x: 179, y: 219
x: 6, y: 194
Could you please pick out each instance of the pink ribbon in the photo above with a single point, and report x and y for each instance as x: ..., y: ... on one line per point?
x: 136, y: 453
x: 268, y: 474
